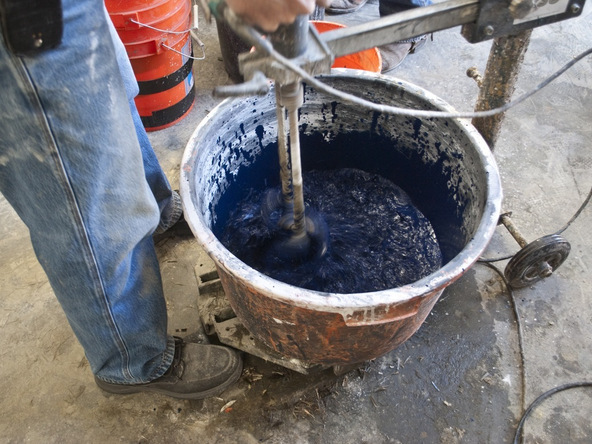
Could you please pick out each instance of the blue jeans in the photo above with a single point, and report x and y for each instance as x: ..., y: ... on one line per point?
x: 77, y: 166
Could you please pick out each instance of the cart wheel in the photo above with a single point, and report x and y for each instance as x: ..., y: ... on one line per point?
x: 537, y: 260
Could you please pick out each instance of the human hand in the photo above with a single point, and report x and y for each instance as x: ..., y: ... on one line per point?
x: 269, y: 14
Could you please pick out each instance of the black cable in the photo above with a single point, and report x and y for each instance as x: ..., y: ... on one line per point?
x: 486, y: 260
x: 575, y: 216
x: 540, y: 399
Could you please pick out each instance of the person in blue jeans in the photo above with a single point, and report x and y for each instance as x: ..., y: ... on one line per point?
x: 392, y: 54
x: 78, y: 168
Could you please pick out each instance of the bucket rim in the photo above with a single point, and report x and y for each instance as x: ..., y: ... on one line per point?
x: 346, y: 303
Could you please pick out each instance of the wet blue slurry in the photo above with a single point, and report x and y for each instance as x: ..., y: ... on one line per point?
x: 427, y: 183
x: 377, y: 239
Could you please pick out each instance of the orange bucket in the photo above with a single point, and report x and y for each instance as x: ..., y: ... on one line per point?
x: 368, y: 60
x: 160, y: 54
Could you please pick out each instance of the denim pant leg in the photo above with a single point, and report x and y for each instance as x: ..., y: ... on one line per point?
x: 169, y: 203
x: 72, y: 168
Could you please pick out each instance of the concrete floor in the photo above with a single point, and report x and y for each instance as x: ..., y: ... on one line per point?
x: 458, y: 380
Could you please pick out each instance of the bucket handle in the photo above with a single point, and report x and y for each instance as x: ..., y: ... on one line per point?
x: 200, y: 44
x: 386, y: 315
x: 191, y: 30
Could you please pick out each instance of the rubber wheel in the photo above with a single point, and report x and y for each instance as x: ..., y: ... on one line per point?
x: 537, y: 260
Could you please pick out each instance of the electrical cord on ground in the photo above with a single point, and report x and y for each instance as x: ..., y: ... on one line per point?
x: 540, y: 399
x: 527, y: 411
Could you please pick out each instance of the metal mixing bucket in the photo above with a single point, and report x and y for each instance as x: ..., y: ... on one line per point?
x: 443, y: 164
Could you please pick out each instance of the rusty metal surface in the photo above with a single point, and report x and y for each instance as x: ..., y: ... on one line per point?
x: 288, y: 347
x: 319, y: 337
x: 513, y: 230
x: 299, y: 339
x: 499, y: 81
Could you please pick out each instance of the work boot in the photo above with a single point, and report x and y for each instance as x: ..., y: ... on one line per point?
x: 177, y: 225
x: 175, y: 214
x: 345, y: 6
x: 198, y: 371
x: 393, y: 54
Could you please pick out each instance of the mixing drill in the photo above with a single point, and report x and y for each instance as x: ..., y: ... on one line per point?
x: 303, y: 236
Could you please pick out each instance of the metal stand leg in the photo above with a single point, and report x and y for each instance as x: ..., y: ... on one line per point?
x: 498, y: 83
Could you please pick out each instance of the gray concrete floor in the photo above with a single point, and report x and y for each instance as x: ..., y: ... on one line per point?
x: 459, y: 379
